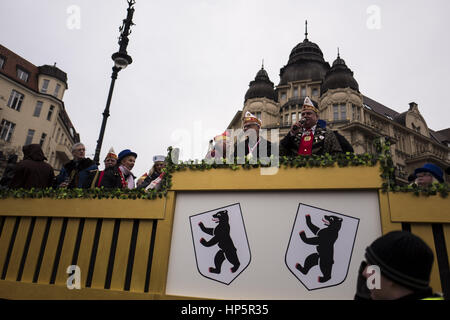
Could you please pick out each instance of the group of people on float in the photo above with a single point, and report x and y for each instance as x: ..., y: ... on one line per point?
x: 307, y: 136
x: 81, y: 172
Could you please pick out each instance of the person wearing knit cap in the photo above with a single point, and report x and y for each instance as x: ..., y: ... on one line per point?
x: 309, y: 136
x: 405, y: 263
x: 253, y: 144
x: 159, y: 163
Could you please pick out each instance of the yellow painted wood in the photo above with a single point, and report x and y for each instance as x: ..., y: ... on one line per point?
x: 104, y: 248
x: 17, y: 252
x: 385, y: 215
x: 5, y: 239
x: 446, y: 228
x: 50, y: 251
x: 67, y: 251
x: 33, y: 251
x: 121, y: 258
x: 83, y: 208
x: 141, y: 256
x: 87, y: 241
x: 160, y: 264
x: 285, y: 179
x: 33, y: 291
x: 425, y: 232
x: 405, y: 207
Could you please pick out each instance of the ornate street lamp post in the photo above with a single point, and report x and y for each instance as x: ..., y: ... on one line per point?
x: 121, y: 61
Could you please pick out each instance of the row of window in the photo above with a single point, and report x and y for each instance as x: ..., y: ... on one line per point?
x: 24, y: 76
x: 339, y: 113
x: 314, y: 92
x: 15, y: 102
x: 7, y: 130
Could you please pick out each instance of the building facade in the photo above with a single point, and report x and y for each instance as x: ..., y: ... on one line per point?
x: 32, y: 110
x: 344, y: 108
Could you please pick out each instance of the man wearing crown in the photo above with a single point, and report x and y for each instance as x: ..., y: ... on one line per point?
x: 254, y: 147
x: 309, y: 136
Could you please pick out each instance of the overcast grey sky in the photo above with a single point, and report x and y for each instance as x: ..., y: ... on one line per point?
x: 193, y: 60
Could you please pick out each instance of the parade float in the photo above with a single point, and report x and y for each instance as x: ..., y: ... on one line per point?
x: 216, y: 231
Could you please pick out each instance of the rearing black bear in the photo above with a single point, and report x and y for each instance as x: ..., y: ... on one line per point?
x: 324, y: 240
x: 221, y: 237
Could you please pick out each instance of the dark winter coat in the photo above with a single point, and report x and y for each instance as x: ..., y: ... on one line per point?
x: 77, y: 171
x: 325, y: 141
x: 32, y: 171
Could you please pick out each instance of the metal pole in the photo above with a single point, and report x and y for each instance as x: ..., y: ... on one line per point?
x: 105, y: 115
x: 120, y: 58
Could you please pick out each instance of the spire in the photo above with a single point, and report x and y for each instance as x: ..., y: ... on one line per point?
x: 338, y: 53
x: 262, y: 66
x: 306, y: 29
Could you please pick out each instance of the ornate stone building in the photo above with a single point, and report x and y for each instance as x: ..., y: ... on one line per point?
x: 344, y: 108
x: 32, y: 110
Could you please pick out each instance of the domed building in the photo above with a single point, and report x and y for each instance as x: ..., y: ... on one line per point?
x: 335, y: 91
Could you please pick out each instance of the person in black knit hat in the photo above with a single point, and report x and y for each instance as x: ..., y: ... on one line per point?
x: 405, y: 263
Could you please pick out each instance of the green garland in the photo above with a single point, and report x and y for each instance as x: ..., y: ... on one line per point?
x: 382, y: 156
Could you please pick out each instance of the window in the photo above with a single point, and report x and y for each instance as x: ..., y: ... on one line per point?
x: 58, y: 86
x: 30, y: 136
x: 294, y: 117
x: 2, y: 62
x: 37, y: 109
x: 343, y: 112
x: 57, y: 135
x: 295, y: 91
x: 43, y: 136
x: 6, y: 130
x: 340, y: 111
x: 50, y: 112
x: 335, y: 112
x: 283, y: 96
x: 15, y: 100
x: 45, y: 86
x: 315, y: 92
x: 303, y: 92
x: 258, y: 115
x: 356, y: 113
x: 22, y: 74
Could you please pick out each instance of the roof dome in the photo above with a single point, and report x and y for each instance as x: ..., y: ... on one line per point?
x: 261, y: 87
x: 305, y: 62
x: 339, y: 76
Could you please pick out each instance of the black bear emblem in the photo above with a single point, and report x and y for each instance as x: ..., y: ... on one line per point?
x: 221, y: 237
x: 324, y: 240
